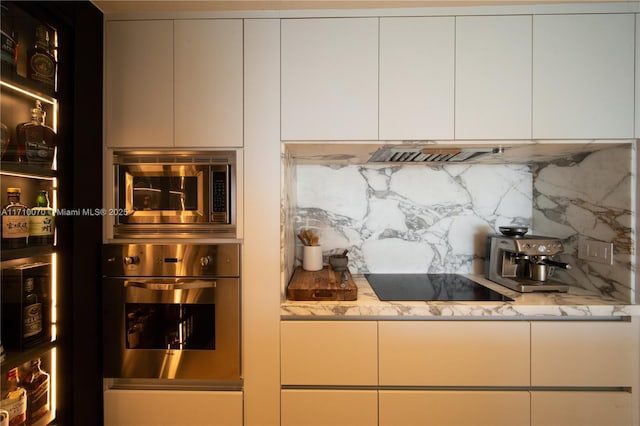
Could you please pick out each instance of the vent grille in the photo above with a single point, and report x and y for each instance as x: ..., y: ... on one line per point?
x: 428, y: 155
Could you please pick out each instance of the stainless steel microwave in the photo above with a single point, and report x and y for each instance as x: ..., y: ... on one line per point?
x: 187, y: 194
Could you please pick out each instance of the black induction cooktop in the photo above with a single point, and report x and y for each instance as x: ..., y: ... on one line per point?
x: 430, y: 287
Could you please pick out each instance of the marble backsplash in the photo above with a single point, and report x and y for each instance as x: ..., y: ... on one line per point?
x: 420, y: 218
x: 411, y: 218
x: 590, y: 197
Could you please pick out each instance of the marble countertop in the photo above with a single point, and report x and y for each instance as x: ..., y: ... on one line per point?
x: 575, y: 303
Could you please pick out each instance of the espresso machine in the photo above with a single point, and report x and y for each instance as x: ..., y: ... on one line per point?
x: 523, y: 262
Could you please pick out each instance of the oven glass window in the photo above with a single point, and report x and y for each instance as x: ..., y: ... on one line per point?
x: 176, y: 193
x: 170, y: 326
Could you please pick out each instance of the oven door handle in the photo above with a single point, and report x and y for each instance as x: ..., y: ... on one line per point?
x: 171, y: 286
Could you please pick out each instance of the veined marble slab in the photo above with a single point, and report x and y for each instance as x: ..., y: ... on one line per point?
x: 576, y: 303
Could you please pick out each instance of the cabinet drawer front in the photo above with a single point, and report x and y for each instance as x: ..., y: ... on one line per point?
x: 329, y: 353
x: 169, y: 408
x: 329, y: 407
x: 582, y: 353
x: 454, y: 408
x: 454, y: 353
x: 581, y: 408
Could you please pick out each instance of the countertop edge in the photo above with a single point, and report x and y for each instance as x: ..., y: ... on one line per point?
x: 576, y: 304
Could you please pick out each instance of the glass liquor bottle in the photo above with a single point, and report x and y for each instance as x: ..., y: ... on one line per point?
x: 42, y: 62
x: 41, y: 222
x: 31, y: 314
x: 5, y: 139
x: 15, y: 222
x: 9, y: 41
x: 37, y: 384
x: 15, y: 400
x: 37, y: 140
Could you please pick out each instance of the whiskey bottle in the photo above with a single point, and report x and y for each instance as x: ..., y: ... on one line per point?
x: 31, y: 314
x: 41, y: 222
x: 42, y: 63
x: 14, y: 400
x: 15, y: 222
x: 8, y: 42
x: 37, y: 384
x: 36, y: 139
x: 5, y: 139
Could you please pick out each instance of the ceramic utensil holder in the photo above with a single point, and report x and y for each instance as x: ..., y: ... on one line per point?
x: 312, y: 258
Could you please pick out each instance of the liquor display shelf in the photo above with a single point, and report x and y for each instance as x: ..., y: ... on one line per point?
x: 12, y: 78
x: 26, y: 170
x: 13, y: 358
x: 26, y: 252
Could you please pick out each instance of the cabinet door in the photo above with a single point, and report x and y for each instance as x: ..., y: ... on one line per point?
x: 208, y: 82
x: 493, y: 77
x: 168, y: 408
x: 329, y: 353
x: 416, y: 78
x: 583, y: 71
x: 330, y: 79
x: 139, y: 84
x: 454, y: 353
x: 587, y: 353
x: 581, y: 408
x: 637, y: 75
x: 454, y: 408
x: 329, y: 407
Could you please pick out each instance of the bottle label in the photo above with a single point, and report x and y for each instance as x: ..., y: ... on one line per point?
x: 14, y: 226
x: 17, y: 408
x: 40, y: 222
x: 39, y: 152
x: 43, y: 69
x: 32, y: 320
x: 38, y: 399
x: 8, y: 46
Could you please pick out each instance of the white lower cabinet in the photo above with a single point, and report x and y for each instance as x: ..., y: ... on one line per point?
x: 472, y: 373
x: 584, y: 408
x: 454, y: 353
x: 172, y: 408
x: 453, y: 408
x: 329, y: 353
x: 318, y: 407
x: 583, y: 353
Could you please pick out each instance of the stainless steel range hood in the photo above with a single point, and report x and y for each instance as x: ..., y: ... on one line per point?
x: 430, y: 154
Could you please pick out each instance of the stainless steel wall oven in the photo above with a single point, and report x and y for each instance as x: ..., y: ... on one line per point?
x: 172, y: 311
x: 175, y: 193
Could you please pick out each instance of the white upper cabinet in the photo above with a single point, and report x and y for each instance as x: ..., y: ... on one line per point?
x: 208, y: 82
x: 330, y: 79
x: 637, y: 75
x: 138, y: 83
x: 583, y: 76
x: 416, y: 78
x: 166, y: 91
x: 493, y: 77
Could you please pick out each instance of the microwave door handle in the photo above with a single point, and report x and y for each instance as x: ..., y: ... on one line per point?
x: 160, y: 286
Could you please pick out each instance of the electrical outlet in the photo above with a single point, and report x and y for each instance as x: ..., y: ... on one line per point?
x: 595, y: 251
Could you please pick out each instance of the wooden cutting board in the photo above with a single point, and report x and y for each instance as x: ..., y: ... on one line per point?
x: 325, y: 284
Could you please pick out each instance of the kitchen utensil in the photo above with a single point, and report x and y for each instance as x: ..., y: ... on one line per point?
x: 514, y: 231
x: 308, y: 238
x: 338, y: 262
